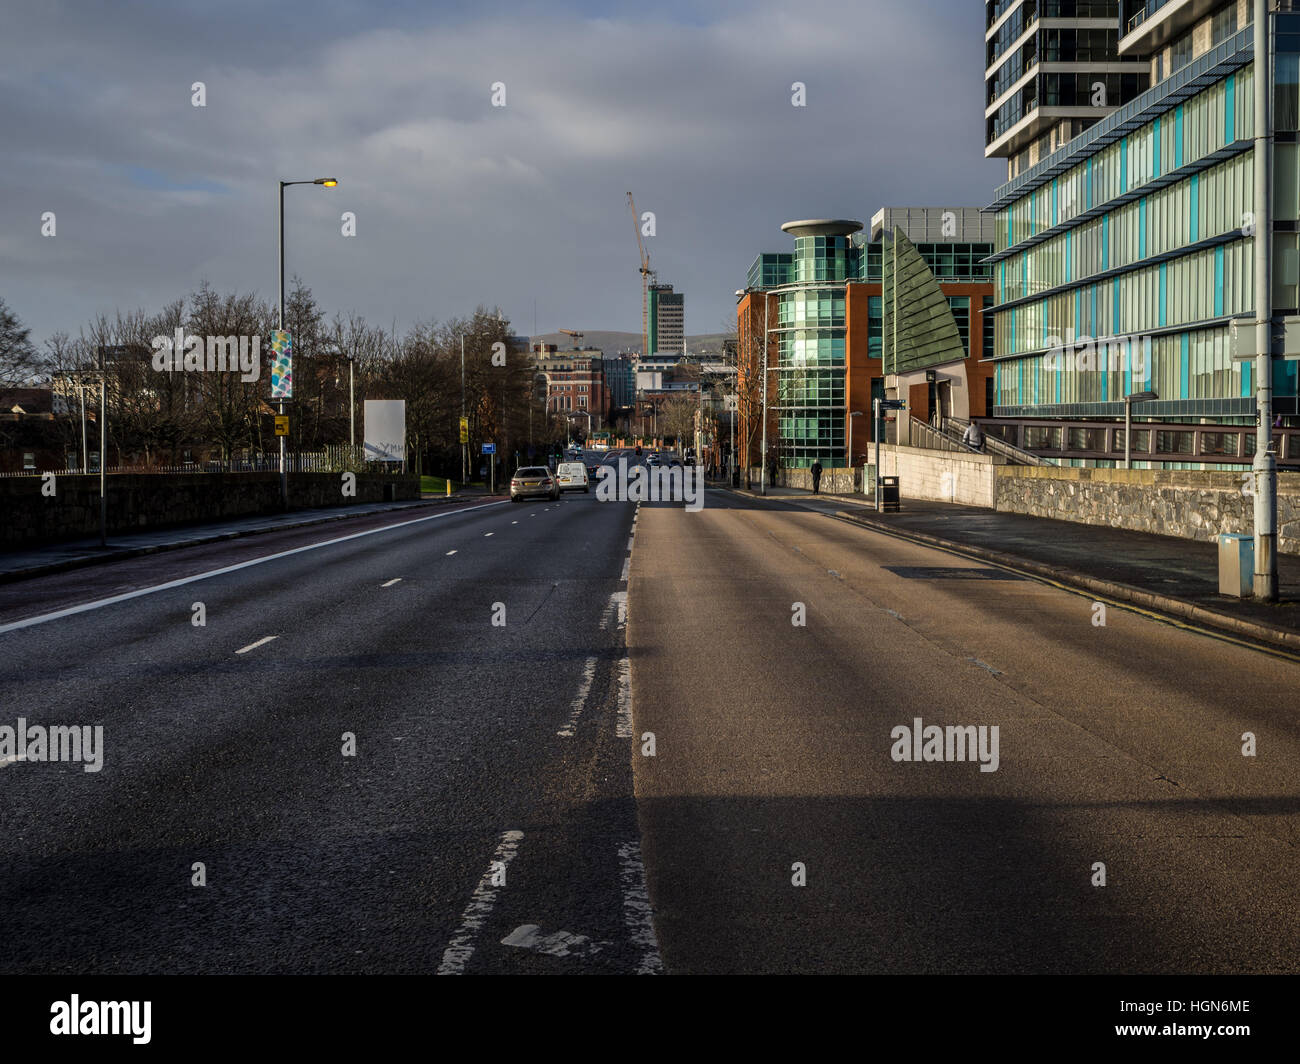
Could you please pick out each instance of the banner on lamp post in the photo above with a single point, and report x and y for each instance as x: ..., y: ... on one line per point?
x: 281, y: 364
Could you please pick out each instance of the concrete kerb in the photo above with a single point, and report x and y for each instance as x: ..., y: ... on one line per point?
x: 111, y: 555
x: 1174, y: 608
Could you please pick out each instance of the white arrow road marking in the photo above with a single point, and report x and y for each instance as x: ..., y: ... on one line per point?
x: 253, y: 646
x: 560, y: 944
x: 580, y: 699
x: 395, y: 580
x: 100, y: 603
x: 461, y: 947
x: 637, y: 914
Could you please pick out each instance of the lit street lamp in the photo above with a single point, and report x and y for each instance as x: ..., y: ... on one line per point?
x: 328, y: 182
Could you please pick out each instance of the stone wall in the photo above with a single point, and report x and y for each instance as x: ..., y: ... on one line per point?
x: 834, y: 481
x: 139, y: 501
x: 1193, y: 504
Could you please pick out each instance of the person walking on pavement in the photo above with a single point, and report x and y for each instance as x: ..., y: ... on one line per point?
x: 973, y: 437
x: 817, y: 476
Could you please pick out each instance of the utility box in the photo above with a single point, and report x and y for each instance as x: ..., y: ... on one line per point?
x: 1236, y: 565
x: 889, y: 501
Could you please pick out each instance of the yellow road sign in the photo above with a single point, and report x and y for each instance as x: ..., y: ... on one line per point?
x: 282, y: 424
x: 464, y: 430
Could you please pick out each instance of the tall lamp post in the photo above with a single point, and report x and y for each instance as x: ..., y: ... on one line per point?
x: 1264, y: 466
x: 328, y: 182
x: 1129, y: 400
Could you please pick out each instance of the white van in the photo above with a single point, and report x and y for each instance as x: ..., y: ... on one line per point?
x: 572, y: 476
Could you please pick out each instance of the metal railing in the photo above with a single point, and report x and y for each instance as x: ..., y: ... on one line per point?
x: 995, y: 446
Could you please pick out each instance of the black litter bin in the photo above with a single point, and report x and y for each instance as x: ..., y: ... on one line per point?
x: 889, y: 495
x: 390, y: 493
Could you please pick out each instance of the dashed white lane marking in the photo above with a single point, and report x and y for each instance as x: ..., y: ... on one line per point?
x: 637, y: 914
x: 450, y: 553
x: 100, y: 603
x: 486, y: 534
x: 253, y: 646
x: 615, y: 611
x: 580, y: 699
x: 394, y: 580
x: 514, y: 522
x: 461, y: 947
x: 626, y: 564
x: 623, y: 674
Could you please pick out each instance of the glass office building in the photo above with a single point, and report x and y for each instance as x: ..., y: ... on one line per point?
x: 1123, y: 257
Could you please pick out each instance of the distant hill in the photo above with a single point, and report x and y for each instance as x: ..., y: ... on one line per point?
x: 611, y: 343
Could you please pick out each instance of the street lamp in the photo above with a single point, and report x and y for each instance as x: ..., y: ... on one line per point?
x: 328, y: 182
x: 1129, y: 400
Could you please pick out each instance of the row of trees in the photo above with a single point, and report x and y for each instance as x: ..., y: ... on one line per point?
x: 160, y: 417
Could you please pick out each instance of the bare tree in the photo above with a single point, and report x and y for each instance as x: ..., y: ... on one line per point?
x: 19, y: 360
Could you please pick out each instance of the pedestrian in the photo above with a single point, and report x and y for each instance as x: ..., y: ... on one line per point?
x: 817, y: 476
x: 771, y: 471
x: 973, y: 437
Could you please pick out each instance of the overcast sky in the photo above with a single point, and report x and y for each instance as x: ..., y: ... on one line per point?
x: 458, y: 202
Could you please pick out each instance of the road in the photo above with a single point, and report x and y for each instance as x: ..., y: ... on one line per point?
x: 651, y: 715
x: 477, y: 746
x: 1120, y: 745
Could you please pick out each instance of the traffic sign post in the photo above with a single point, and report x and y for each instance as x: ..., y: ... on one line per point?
x: 491, y: 449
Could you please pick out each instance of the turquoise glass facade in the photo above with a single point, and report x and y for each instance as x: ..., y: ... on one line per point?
x: 1123, y: 258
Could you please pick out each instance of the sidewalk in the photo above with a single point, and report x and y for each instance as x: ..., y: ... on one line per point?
x: 37, y: 560
x: 1175, y: 577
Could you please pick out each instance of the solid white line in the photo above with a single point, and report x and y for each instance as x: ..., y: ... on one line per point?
x: 637, y: 913
x: 580, y: 699
x: 461, y: 947
x: 253, y: 646
x: 624, y: 676
x: 394, y: 580
x: 100, y: 603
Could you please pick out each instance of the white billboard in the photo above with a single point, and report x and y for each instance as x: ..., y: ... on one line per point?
x: 385, y: 430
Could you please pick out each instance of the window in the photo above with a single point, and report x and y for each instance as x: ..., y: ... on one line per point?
x: 1224, y: 25
x: 29, y: 460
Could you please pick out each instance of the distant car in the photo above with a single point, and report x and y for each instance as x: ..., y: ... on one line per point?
x: 533, y: 481
x: 652, y: 460
x: 572, y: 476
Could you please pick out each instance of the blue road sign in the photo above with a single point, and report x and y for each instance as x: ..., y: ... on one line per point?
x: 489, y: 448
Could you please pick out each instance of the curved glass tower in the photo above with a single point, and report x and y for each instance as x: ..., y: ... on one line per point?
x: 810, y: 336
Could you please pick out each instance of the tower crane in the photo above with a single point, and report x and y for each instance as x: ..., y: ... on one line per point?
x: 648, y: 276
x: 577, y: 338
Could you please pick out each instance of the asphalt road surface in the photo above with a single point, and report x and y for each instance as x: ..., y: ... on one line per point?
x: 1120, y: 745
x: 471, y: 742
x: 489, y: 797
